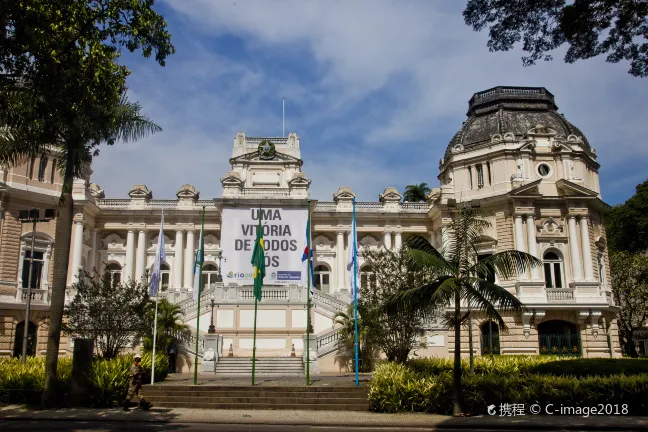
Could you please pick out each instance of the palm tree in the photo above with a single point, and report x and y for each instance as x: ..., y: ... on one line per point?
x: 416, y: 193
x: 463, y: 280
x: 76, y: 145
x: 169, y: 325
x: 346, y: 342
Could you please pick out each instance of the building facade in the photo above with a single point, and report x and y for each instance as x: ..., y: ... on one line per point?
x: 514, y: 156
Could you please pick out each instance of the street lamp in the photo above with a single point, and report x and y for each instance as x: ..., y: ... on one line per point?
x: 219, y: 276
x: 31, y: 216
x: 211, y: 328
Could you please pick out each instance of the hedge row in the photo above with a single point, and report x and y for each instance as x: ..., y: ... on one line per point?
x: 535, y: 365
x: 397, y: 388
x: 24, y: 383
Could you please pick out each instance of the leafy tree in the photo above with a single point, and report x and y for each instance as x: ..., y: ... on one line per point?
x: 589, y: 28
x: 170, y: 327
x: 627, y: 224
x: 416, y: 193
x: 459, y: 285
x: 396, y: 331
x: 109, y: 313
x: 367, y: 351
x: 630, y: 290
x: 61, y: 85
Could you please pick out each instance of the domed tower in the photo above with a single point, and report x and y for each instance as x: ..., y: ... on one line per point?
x: 520, y: 159
x: 512, y: 136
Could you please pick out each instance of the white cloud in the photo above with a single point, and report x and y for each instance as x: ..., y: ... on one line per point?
x: 418, y: 54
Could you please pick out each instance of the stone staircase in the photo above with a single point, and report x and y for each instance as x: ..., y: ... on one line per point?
x: 276, y: 366
x: 346, y: 398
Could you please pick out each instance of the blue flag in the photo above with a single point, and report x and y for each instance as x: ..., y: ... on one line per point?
x: 160, y: 257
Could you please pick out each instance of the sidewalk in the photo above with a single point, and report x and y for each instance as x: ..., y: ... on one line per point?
x: 328, y: 418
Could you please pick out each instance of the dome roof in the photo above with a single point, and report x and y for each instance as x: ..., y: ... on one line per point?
x: 511, y: 109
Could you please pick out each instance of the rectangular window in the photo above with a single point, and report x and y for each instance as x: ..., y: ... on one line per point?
x: 36, y: 270
x: 480, y: 176
x: 53, y: 171
x: 470, y: 177
x: 557, y: 275
x: 490, y: 274
x: 165, y: 280
x: 30, y: 172
x: 547, y: 272
x: 42, y: 166
x: 490, y: 182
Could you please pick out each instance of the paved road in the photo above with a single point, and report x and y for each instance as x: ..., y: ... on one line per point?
x: 100, y: 426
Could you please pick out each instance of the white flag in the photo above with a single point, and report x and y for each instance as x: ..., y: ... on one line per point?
x: 200, y: 256
x: 307, y: 263
x: 354, y: 278
x: 160, y: 257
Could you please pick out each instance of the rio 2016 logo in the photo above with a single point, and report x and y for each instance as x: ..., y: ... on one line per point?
x: 240, y: 275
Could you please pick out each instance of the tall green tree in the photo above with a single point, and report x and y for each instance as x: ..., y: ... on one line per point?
x: 394, y: 331
x: 626, y: 225
x: 589, y: 28
x: 62, y: 86
x: 416, y: 193
x: 106, y: 312
x: 459, y: 285
x: 630, y: 290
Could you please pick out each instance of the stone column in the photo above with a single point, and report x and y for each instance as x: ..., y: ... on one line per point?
x: 93, y: 251
x: 78, y: 246
x: 340, y: 257
x: 587, y: 250
x: 177, y: 263
x: 189, y: 260
x: 398, y: 241
x: 130, y: 255
x: 519, y: 239
x: 141, y: 255
x: 519, y: 234
x: 577, y: 272
x: 387, y: 240
x: 533, y: 247
x: 347, y: 283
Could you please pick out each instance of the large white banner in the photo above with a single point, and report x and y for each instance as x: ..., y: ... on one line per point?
x: 284, y: 233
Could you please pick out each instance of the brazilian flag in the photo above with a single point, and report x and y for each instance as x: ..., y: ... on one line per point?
x: 258, y: 260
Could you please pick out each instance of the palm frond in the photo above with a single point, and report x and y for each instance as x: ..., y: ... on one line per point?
x: 506, y: 264
x: 423, y: 254
x: 490, y: 298
x: 428, y: 297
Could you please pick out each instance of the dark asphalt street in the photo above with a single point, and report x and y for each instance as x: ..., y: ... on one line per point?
x: 99, y: 426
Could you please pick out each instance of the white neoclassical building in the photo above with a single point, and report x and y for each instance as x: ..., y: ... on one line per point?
x: 514, y: 155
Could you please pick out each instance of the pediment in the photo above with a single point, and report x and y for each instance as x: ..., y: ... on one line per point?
x: 527, y: 189
x: 188, y: 191
x: 140, y: 191
x: 114, y: 241
x: 369, y: 241
x: 322, y: 241
x: 299, y: 180
x: 232, y: 178
x: 390, y: 194
x: 567, y: 188
x: 211, y: 242
x: 256, y: 157
x: 541, y: 130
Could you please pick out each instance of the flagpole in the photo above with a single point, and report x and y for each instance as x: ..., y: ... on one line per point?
x: 199, y: 295
x: 355, y: 292
x: 283, y: 116
x: 308, y: 305
x: 154, y: 338
x: 157, y: 289
x: 256, y: 300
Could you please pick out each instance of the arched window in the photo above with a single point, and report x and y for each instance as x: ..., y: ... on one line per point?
x: 322, y: 278
x: 41, y: 169
x: 490, y: 343
x: 209, y: 275
x: 115, y: 271
x: 553, y: 270
x: 367, y: 277
x: 31, y: 339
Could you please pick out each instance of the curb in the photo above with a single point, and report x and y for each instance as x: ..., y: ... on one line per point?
x: 471, y: 423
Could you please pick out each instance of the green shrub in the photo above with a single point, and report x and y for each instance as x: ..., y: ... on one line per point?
x: 24, y: 383
x: 501, y: 365
x: 592, y: 367
x: 397, y: 388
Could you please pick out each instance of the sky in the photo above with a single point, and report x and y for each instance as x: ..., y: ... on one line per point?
x: 375, y: 89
